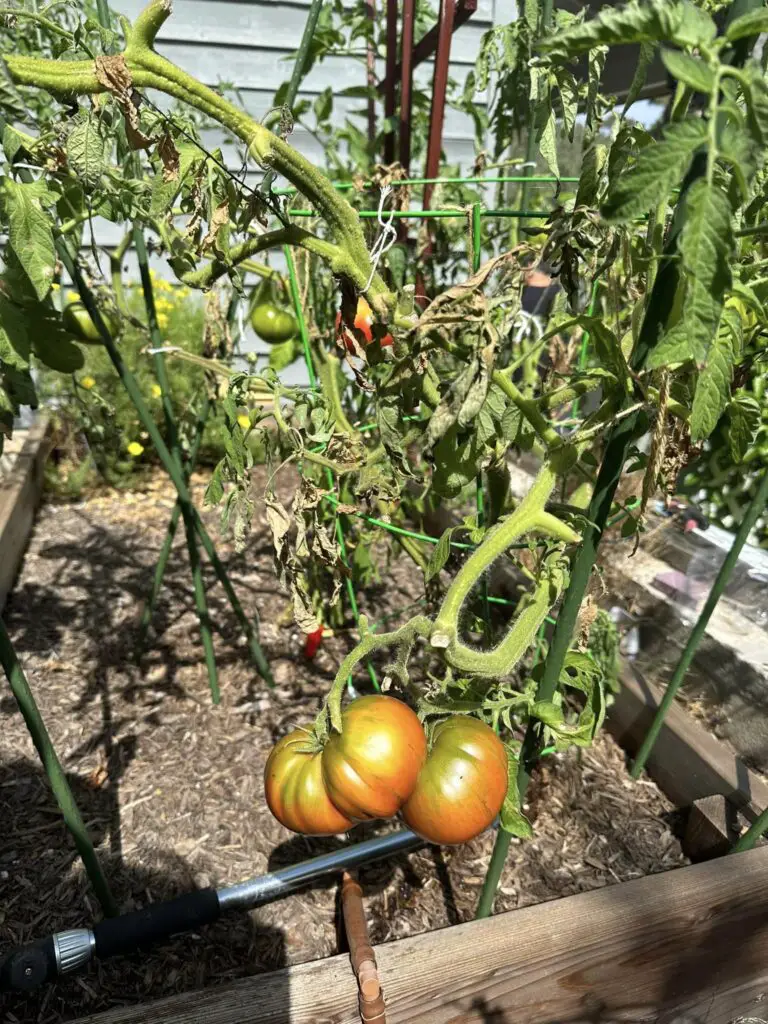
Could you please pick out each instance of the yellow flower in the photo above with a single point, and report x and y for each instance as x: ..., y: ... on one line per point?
x: 182, y: 292
x: 162, y: 321
x: 152, y: 274
x: 135, y: 449
x: 55, y: 287
x: 163, y: 305
x: 87, y: 383
x: 244, y: 420
x: 156, y: 391
x: 72, y: 296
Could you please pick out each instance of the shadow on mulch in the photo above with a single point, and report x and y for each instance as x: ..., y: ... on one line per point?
x: 186, y: 962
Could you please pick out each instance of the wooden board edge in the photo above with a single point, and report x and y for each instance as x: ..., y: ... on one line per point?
x: 692, y: 941
x: 19, y: 499
x: 687, y: 762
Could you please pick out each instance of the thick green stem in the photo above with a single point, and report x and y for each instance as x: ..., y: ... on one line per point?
x: 530, y: 517
x: 754, y: 510
x: 198, y: 585
x: 149, y: 70
x: 405, y: 636
x: 52, y: 766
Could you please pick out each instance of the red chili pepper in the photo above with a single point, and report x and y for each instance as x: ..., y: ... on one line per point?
x: 312, y: 642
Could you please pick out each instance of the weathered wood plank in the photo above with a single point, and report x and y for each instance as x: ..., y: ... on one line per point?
x: 691, y: 942
x: 687, y: 761
x: 20, y: 494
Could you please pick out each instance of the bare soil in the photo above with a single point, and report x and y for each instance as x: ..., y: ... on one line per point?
x: 171, y: 787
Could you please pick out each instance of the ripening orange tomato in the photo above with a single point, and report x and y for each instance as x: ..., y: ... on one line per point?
x: 364, y: 329
x: 371, y: 766
x: 463, y: 783
x: 295, y: 790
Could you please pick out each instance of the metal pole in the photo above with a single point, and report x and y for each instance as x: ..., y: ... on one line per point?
x: 439, y: 87
x: 55, y: 773
x: 751, y: 515
x: 389, y: 81
x: 406, y: 83
x: 370, y: 61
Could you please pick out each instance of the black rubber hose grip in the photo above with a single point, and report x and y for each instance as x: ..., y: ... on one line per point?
x: 129, y: 932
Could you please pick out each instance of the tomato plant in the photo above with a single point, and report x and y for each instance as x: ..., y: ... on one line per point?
x: 656, y: 249
x: 463, y: 784
x: 295, y: 788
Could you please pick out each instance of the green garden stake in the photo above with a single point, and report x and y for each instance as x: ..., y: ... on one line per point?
x: 754, y: 509
x: 55, y: 773
x: 201, y: 603
x: 753, y: 833
x: 157, y: 581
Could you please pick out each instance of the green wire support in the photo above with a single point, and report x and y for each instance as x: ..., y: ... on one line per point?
x: 304, y: 334
x: 754, y: 509
x: 55, y: 773
x: 172, y: 433
x: 169, y: 464
x: 457, y: 214
x: 348, y: 186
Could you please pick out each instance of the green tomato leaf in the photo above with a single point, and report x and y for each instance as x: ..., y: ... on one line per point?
x: 439, y: 556
x: 713, y: 388
x: 85, y: 152
x: 659, y: 167
x: 323, y: 104
x: 751, y: 24
x: 512, y: 819
x: 640, y: 21
x: 743, y: 421
x: 30, y: 234
x: 284, y: 354
x: 548, y: 713
x: 644, y: 61
x: 14, y: 335
x: 689, y: 70
x: 705, y: 247
x: 214, y: 492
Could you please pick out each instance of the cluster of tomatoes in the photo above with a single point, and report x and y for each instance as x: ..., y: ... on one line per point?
x: 380, y: 765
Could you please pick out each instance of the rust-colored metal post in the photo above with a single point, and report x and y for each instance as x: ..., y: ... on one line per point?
x: 436, y: 120
x: 370, y: 10
x: 371, y: 998
x: 439, y: 87
x: 406, y: 83
x: 390, y: 79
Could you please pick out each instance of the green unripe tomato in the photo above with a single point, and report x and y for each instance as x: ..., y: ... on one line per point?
x: 272, y: 324
x: 78, y: 321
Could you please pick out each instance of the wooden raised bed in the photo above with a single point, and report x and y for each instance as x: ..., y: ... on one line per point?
x: 20, y: 491
x: 691, y: 942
